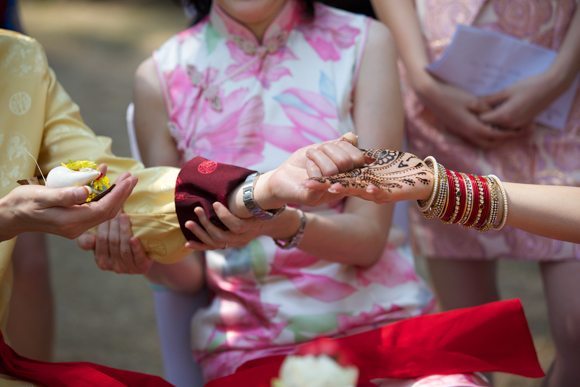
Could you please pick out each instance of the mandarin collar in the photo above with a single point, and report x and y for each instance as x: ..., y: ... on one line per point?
x: 275, y: 36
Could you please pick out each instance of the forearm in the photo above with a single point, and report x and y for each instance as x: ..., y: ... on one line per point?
x: 401, y: 18
x: 550, y: 211
x: 186, y: 276
x: 565, y: 68
x: 346, y: 238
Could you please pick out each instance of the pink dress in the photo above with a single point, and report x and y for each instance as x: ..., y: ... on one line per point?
x: 547, y: 156
x: 233, y: 100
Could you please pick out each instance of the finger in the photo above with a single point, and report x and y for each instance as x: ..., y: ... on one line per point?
x: 339, y: 157
x: 130, y: 261
x: 232, y: 222
x: 495, y: 99
x: 115, y: 245
x: 351, y: 138
x: 142, y: 261
x: 337, y: 188
x: 61, y: 197
x: 102, y: 247
x: 312, y: 169
x: 111, y: 204
x: 314, y: 185
x: 354, y: 153
x: 201, y: 234
x: 478, y: 106
x: 87, y: 241
x: 215, y: 233
x: 103, y: 169
x: 197, y: 246
x: 323, y: 162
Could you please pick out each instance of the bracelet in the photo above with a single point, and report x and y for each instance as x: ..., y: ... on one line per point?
x: 504, y: 204
x: 295, y: 239
x: 425, y: 205
x: 250, y: 202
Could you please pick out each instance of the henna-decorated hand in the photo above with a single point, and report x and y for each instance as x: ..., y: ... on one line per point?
x: 388, y: 176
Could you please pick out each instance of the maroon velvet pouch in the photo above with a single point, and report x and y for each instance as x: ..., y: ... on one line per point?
x: 200, y: 183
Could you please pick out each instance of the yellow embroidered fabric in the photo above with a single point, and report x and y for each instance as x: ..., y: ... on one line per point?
x: 38, y: 117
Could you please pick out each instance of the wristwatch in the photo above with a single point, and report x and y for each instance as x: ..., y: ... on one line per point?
x: 250, y: 202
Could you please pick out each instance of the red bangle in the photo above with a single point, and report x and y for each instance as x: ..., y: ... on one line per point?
x: 450, y: 206
x: 476, y: 201
x: 462, y: 198
x: 486, y: 203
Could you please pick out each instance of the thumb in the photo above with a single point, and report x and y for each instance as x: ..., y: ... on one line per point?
x: 87, y: 241
x: 65, y: 197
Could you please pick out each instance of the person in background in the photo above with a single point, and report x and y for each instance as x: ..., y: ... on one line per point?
x: 248, y: 84
x: 495, y: 134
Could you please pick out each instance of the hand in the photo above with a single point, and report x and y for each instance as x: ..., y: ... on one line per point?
x: 60, y: 211
x: 459, y: 112
x: 391, y: 176
x: 241, y: 231
x: 516, y: 107
x: 285, y: 184
x: 115, y: 247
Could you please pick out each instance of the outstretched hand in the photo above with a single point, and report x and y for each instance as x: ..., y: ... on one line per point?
x: 60, y: 211
x: 285, y: 184
x: 387, y: 176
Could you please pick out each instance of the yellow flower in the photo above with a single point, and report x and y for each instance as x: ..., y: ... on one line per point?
x: 99, y: 185
x: 80, y: 164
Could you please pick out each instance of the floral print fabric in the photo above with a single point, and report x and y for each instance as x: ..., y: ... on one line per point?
x: 547, y: 156
x: 233, y: 99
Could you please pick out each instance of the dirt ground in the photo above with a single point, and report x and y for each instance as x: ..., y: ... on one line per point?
x: 94, y: 48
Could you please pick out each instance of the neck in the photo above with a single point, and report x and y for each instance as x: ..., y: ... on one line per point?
x: 259, y: 26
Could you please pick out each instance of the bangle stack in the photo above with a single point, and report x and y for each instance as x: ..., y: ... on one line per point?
x: 478, y: 202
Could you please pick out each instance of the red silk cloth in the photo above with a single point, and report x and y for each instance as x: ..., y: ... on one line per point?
x: 490, y: 337
x: 200, y: 183
x: 70, y: 374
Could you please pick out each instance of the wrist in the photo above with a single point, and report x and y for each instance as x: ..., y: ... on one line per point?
x: 558, y: 80
x: 422, y: 82
x: 264, y: 195
x: 285, y: 225
x: 7, y: 221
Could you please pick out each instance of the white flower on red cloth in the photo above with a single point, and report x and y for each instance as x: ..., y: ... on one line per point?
x: 320, y: 363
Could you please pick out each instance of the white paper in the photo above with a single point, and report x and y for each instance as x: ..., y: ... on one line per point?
x: 485, y: 62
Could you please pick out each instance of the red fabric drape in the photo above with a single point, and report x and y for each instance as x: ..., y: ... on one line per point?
x: 491, y: 337
x: 71, y: 374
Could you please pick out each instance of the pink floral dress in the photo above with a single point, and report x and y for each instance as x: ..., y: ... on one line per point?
x: 234, y: 100
x: 547, y: 156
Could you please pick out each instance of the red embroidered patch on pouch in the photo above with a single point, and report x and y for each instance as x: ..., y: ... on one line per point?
x: 206, y: 167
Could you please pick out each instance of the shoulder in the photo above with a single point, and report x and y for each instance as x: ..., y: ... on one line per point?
x: 13, y: 39
x: 337, y: 21
x: 15, y: 47
x: 192, y: 35
x: 146, y: 83
x: 182, y: 47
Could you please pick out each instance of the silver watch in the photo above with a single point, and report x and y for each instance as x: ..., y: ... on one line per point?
x: 250, y: 203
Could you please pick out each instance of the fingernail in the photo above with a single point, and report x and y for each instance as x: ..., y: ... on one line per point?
x: 81, y: 193
x: 332, y: 190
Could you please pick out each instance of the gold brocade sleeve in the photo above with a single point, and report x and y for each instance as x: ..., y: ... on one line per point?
x: 151, y: 206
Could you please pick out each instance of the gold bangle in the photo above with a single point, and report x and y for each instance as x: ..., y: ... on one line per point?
x: 504, y: 204
x: 468, y: 199
x: 424, y: 205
